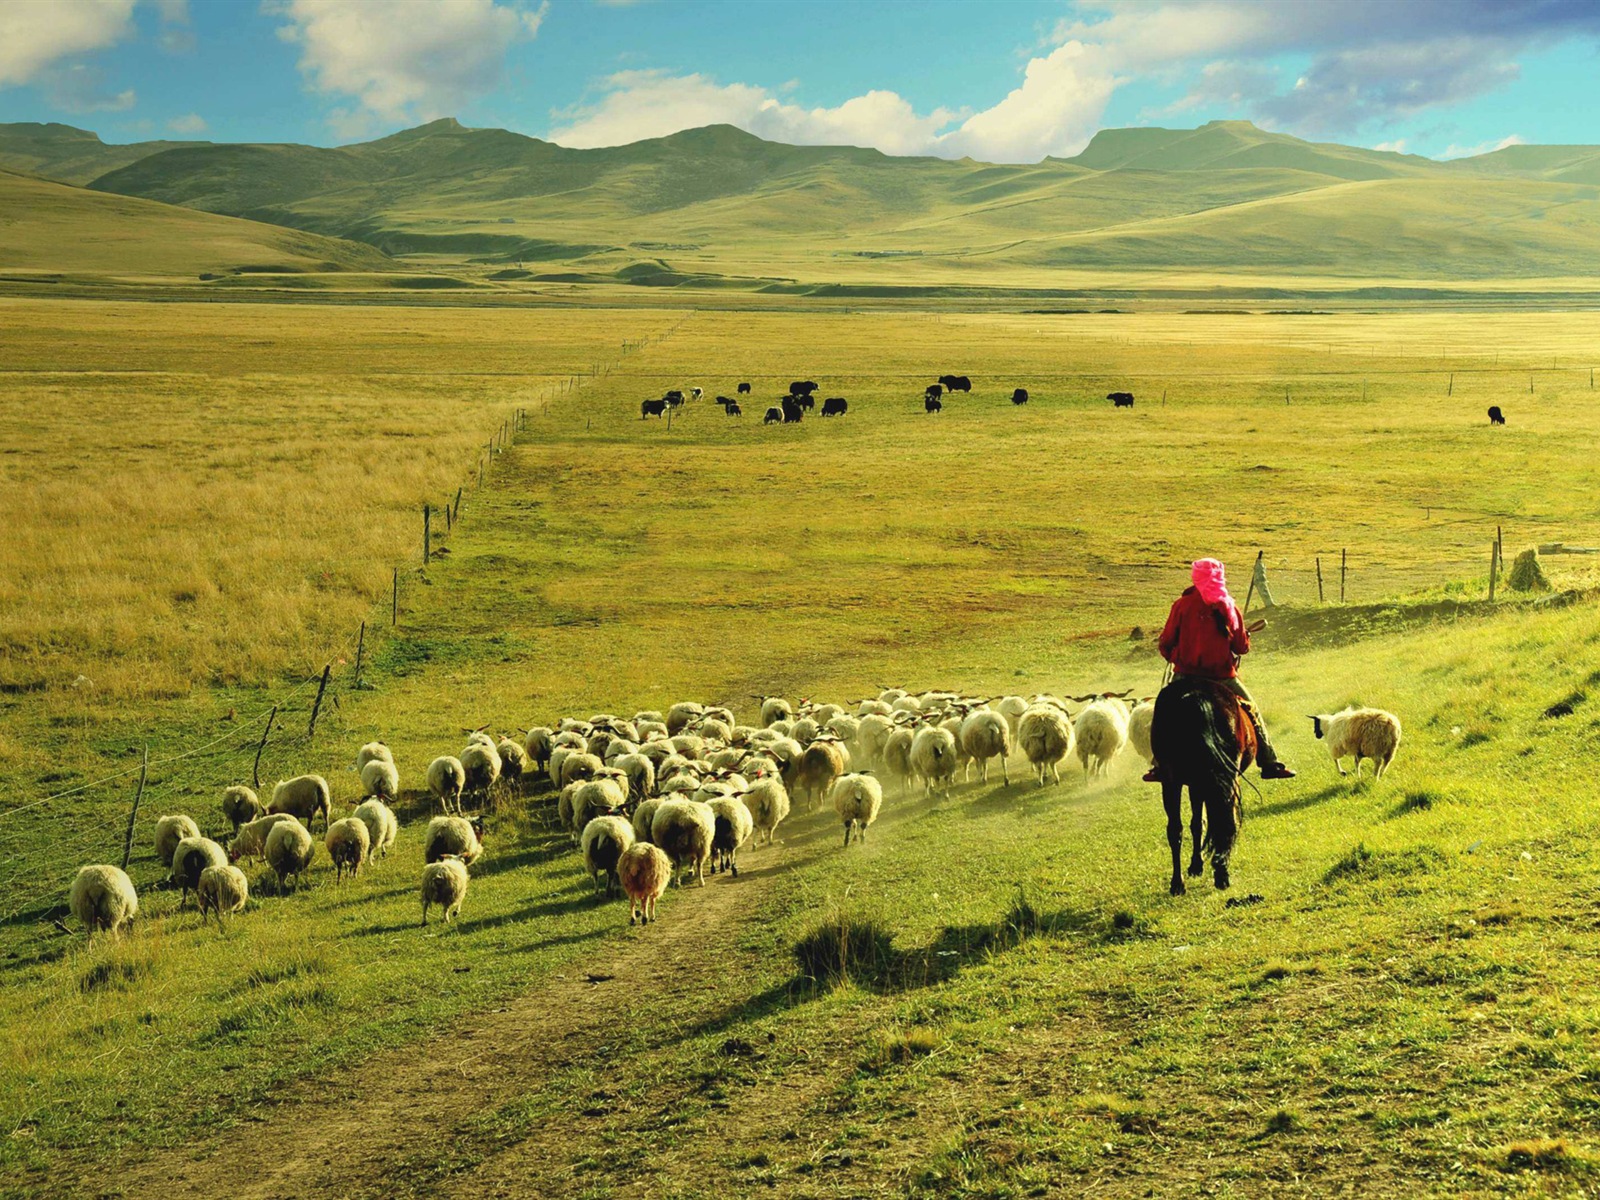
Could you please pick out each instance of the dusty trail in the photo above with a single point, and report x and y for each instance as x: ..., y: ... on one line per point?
x: 368, y: 1132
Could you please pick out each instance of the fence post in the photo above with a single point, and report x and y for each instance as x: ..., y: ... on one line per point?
x: 127, y: 838
x: 316, y: 706
x: 427, y: 533
x: 255, y: 771
x: 1319, y: 580
x: 1451, y: 390
x: 1342, y: 554
x: 1494, y: 563
x: 361, y: 645
x: 1254, y: 575
x: 394, y: 600
x: 458, y: 504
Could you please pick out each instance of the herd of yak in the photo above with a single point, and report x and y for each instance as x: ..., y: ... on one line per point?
x: 791, y: 409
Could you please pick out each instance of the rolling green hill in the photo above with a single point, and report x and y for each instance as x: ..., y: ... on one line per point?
x: 56, y: 229
x: 717, y: 205
x: 68, y: 154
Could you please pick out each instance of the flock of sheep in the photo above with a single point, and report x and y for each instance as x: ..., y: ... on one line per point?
x: 659, y: 795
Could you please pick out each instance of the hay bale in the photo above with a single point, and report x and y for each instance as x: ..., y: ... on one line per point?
x: 1527, y: 575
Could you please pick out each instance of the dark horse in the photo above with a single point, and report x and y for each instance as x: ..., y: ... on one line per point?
x: 1204, y: 741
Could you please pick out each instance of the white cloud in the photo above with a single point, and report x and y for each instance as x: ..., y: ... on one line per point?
x: 1454, y: 151
x: 1055, y: 110
x: 81, y: 88
x: 188, y: 123
x: 402, y: 60
x: 37, y: 34
x: 1398, y: 146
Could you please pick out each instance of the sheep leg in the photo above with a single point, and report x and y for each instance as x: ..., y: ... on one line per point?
x: 847, y: 833
x: 1172, y: 799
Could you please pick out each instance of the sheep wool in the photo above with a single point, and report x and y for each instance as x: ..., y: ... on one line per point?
x: 192, y: 856
x: 1360, y: 733
x: 373, y: 751
x: 986, y: 735
x: 348, y: 842
x: 103, y: 898
x: 1100, y: 733
x: 768, y: 802
x: 221, y: 890
x: 380, y: 778
x: 1139, y: 723
x: 303, y: 797
x: 733, y: 825
x: 446, y: 779
x: 857, y: 799
x: 240, y: 804
x: 645, y: 870
x: 642, y: 818
x: 289, y: 851
x: 897, y: 756
x: 605, y: 840
x: 171, y: 830
x: 1045, y: 735
x: 684, y: 829
x: 444, y: 883
x: 454, y: 836
x: 382, y: 827
x: 251, y: 840
x: 933, y: 758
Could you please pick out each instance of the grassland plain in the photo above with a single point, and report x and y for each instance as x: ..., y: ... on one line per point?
x: 1394, y: 1015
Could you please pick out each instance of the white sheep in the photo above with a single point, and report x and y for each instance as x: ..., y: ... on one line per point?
x: 812, y: 774
x: 349, y: 842
x: 536, y: 745
x: 1045, y: 735
x: 371, y: 752
x: 952, y: 726
x: 604, y: 841
x: 453, y: 836
x: 896, y: 757
x: 192, y: 856
x: 1100, y: 733
x: 1360, y: 733
x: 873, y: 708
x: 221, y: 890
x: 857, y: 799
x: 240, y: 804
x: 380, y: 778
x: 872, y: 733
x: 768, y: 802
x: 289, y: 851
x: 170, y: 830
x: 103, y: 898
x: 733, y: 825
x: 681, y: 714
x: 1012, y: 708
x: 444, y: 883
x: 986, y: 735
x: 382, y: 827
x: 643, y: 816
x: 251, y: 840
x: 595, y: 798
x: 804, y: 730
x: 446, y: 779
x: 684, y: 829
x: 641, y: 774
x: 645, y: 871
x: 1139, y: 722
x: 933, y: 758
x: 303, y: 797
x: 775, y: 708
x: 576, y: 768
x: 480, y: 762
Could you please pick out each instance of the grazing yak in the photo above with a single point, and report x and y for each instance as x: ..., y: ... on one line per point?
x: 792, y: 411
x: 732, y: 409
x: 835, y: 406
x: 803, y: 387
x: 1020, y: 396
x: 744, y: 389
x: 652, y: 408
x: 933, y: 391
x: 774, y: 415
x: 932, y: 404
x: 1496, y: 417
x: 1120, y: 399
x: 807, y: 401
x: 673, y: 398
x: 956, y: 383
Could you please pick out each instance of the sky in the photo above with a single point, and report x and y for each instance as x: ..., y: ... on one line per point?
x: 996, y: 80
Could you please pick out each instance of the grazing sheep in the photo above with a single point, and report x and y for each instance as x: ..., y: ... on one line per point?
x: 768, y: 802
x: 872, y: 734
x: 645, y: 871
x: 619, y: 748
x: 775, y: 708
x: 605, y: 840
x: 564, y: 809
x: 444, y: 883
x: 1139, y: 722
x: 289, y: 851
x: 641, y: 774
x: 537, y: 746
x: 684, y: 829
x: 303, y: 797
x: 380, y: 778
x: 382, y: 827
x: 595, y: 798
x: 1100, y: 733
x: 349, y: 843
x: 643, y: 817
x: 897, y: 756
x: 579, y: 768
x: 103, y: 898
x: 857, y: 799
x: 933, y: 757
x: 873, y: 708
x: 732, y: 826
x: 1012, y: 708
x: 986, y: 735
x: 481, y: 763
x: 171, y: 830
x: 446, y: 779
x: 558, y: 758
x: 514, y: 762
x: 251, y: 840
x: 240, y: 804
x: 371, y: 752
x: 221, y: 890
x: 1045, y: 734
x: 1361, y: 733
x: 455, y: 836
x: 816, y: 769
x: 192, y: 856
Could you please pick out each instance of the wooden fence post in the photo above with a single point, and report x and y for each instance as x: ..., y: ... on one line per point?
x: 1494, y: 563
x: 427, y: 533
x: 394, y: 600
x: 1451, y: 390
x: 1319, y: 580
x: 316, y: 706
x: 1342, y: 555
x: 127, y: 838
x: 458, y: 504
x: 361, y: 645
x: 255, y: 771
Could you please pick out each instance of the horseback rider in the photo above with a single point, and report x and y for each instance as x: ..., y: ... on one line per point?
x: 1204, y: 638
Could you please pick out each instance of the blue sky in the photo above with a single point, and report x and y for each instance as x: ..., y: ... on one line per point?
x: 998, y: 81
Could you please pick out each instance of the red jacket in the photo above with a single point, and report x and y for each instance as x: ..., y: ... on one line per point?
x: 1200, y: 639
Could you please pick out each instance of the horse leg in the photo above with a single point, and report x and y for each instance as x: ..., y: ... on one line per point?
x: 1172, y: 798
x: 1197, y: 818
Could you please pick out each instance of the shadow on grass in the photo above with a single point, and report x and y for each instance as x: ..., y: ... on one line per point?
x: 1291, y: 804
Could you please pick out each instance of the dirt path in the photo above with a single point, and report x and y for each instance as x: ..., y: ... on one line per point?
x: 367, y: 1133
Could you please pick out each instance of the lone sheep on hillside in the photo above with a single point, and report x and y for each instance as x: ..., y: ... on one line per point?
x: 1361, y: 733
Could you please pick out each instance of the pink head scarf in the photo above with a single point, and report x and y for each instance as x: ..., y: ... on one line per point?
x: 1211, y: 583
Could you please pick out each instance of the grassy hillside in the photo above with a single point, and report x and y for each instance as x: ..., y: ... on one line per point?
x: 1408, y: 1007
x: 56, y: 229
x: 726, y: 207
x: 67, y: 154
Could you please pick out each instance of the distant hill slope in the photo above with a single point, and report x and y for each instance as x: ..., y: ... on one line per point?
x: 67, y: 154
x: 1225, y: 198
x: 55, y: 228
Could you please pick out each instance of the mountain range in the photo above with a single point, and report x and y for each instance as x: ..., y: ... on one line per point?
x: 721, y: 207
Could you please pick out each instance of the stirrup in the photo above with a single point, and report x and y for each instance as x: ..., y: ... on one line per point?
x: 1153, y: 775
x: 1277, y: 771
